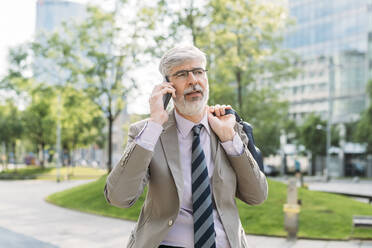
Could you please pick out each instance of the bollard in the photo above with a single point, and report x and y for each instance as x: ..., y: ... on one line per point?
x: 291, y: 210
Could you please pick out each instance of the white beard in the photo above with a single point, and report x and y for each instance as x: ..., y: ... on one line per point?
x: 195, y: 106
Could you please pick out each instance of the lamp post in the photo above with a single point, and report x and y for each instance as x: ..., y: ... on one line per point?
x: 283, y: 142
x: 58, y: 142
x: 325, y: 129
x: 330, y: 112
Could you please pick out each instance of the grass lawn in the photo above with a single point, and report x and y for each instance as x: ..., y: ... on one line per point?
x: 50, y: 173
x: 323, y: 215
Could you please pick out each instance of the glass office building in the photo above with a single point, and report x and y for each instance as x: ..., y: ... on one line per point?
x: 50, y: 14
x: 333, y: 39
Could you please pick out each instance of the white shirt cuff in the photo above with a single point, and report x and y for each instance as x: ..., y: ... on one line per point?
x: 149, y: 135
x: 234, y: 147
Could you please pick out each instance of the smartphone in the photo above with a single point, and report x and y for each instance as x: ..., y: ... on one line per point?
x: 167, y: 96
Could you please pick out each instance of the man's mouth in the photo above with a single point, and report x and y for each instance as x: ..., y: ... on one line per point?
x: 194, y: 93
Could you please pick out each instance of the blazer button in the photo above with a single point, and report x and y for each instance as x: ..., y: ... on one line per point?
x: 170, y: 222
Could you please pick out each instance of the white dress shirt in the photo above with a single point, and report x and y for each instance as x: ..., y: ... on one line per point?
x: 181, y: 234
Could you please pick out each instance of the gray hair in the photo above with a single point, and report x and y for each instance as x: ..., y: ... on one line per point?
x: 178, y: 55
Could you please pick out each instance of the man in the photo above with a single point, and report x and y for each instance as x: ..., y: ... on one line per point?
x: 193, y: 162
x: 298, y: 171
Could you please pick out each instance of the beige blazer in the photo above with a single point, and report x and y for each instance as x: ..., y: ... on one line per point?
x: 233, y: 176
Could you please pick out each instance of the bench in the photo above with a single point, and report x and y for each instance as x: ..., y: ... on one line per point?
x: 362, y: 221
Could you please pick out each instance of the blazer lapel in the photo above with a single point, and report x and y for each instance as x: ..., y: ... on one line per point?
x: 215, y: 149
x: 169, y: 142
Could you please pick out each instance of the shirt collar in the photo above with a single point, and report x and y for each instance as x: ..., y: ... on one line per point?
x: 184, y: 126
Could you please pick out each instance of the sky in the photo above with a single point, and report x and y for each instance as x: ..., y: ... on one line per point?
x: 17, y: 26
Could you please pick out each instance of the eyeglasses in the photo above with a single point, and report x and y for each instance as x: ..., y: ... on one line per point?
x: 184, y: 74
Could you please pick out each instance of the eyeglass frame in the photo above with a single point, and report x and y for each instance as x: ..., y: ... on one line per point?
x: 188, y: 71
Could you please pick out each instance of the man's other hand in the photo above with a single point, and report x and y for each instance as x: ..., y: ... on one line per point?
x: 221, y: 124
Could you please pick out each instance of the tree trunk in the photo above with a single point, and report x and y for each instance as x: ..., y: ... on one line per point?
x: 4, y: 157
x: 109, y: 156
x: 37, y: 156
x: 313, y: 165
x: 14, y: 155
x: 68, y: 156
x: 42, y: 155
x: 190, y: 19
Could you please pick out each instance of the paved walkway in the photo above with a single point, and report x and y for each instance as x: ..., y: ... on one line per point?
x: 27, y: 221
x: 30, y: 220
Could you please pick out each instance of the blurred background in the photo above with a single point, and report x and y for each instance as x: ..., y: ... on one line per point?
x: 74, y: 75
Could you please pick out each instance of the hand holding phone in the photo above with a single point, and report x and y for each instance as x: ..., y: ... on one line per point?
x: 159, y: 99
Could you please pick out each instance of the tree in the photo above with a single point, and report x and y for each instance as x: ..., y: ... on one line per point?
x: 14, y: 81
x: 82, y: 120
x: 312, y: 134
x: 40, y: 119
x: 363, y: 132
x: 106, y: 59
x: 247, y: 39
x: 17, y: 78
x: 96, y: 56
x: 11, y: 127
x: 268, y: 116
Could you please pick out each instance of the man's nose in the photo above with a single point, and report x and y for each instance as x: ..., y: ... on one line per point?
x: 192, y: 78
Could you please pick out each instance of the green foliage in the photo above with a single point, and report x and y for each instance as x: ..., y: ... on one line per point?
x: 268, y: 116
x: 11, y: 127
x: 82, y: 120
x: 322, y: 215
x: 325, y: 215
x: 23, y: 174
x: 39, y: 117
x: 50, y: 173
x: 313, y: 135
x: 363, y: 132
x: 102, y: 61
x: 16, y: 78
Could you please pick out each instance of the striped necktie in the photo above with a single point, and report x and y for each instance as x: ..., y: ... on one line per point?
x: 204, y: 233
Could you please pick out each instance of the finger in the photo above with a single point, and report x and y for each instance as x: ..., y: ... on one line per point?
x: 170, y: 86
x: 217, y: 110
x: 211, y: 116
x: 211, y: 109
x: 164, y: 85
x: 173, y: 91
x: 168, y: 90
x: 223, y: 109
